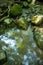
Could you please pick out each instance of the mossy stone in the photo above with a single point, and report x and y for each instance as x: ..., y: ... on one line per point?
x: 38, y: 35
x: 16, y: 10
x: 22, y: 23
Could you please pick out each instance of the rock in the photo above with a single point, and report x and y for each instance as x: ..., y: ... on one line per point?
x: 16, y: 10
x: 25, y: 4
x: 7, y: 21
x: 22, y: 23
x: 37, y: 20
x: 3, y: 57
x: 38, y: 35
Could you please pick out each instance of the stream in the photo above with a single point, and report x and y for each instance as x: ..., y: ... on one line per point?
x: 20, y: 47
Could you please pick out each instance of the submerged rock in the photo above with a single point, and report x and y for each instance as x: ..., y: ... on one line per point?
x: 22, y: 23
x: 38, y: 35
x: 3, y: 57
x: 16, y: 10
x: 37, y: 20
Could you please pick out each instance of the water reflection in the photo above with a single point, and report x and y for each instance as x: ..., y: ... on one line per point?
x: 20, y: 47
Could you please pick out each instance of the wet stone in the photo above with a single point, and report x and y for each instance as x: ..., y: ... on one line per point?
x: 38, y: 35
x: 8, y: 21
x: 37, y: 19
x: 21, y: 22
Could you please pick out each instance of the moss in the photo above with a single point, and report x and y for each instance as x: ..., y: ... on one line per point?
x: 16, y: 10
x: 38, y: 35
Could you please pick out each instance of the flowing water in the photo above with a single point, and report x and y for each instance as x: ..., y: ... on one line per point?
x: 20, y: 47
